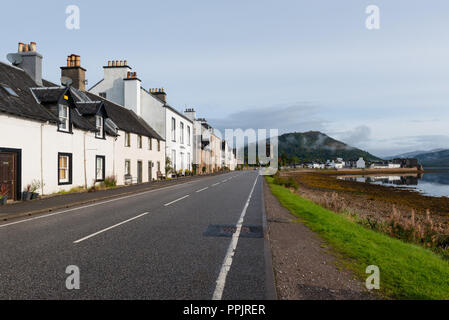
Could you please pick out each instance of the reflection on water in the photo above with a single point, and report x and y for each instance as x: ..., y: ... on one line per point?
x: 435, y: 183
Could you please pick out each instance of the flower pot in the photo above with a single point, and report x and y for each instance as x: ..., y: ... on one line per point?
x: 34, y: 195
x: 26, y: 196
x: 3, y: 200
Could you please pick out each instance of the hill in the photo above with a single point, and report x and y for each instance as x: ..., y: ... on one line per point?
x: 317, y: 146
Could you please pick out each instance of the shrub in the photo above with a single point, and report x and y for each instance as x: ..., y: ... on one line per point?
x: 110, y: 182
x: 286, y: 182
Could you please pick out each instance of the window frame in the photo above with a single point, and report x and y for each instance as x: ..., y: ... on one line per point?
x: 128, y: 139
x: 128, y: 161
x: 159, y: 146
x: 67, y: 181
x: 139, y: 142
x: 150, y: 143
x: 189, y: 135
x: 173, y: 129
x: 66, y: 119
x: 103, y: 169
x: 181, y: 129
x: 99, y: 134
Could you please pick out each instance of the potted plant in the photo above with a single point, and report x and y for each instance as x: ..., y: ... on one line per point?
x: 3, y: 195
x: 26, y: 194
x: 35, y: 185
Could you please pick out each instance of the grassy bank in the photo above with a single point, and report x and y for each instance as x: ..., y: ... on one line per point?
x: 407, y: 271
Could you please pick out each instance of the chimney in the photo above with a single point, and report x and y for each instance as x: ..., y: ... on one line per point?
x: 31, y: 61
x: 74, y: 71
x: 159, y: 93
x: 190, y: 113
x: 131, y: 98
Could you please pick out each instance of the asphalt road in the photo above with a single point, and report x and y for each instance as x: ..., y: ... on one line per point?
x: 144, y: 246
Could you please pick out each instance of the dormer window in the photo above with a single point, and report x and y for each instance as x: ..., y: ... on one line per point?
x: 63, y: 113
x: 99, y: 124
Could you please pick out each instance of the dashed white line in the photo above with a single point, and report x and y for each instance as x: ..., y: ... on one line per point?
x: 167, y: 204
x: 215, y: 184
x: 109, y: 228
x: 226, y: 266
x: 202, y: 190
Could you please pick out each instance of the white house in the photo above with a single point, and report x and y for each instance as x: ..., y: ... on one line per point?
x: 123, y: 87
x: 361, y: 164
x: 58, y: 137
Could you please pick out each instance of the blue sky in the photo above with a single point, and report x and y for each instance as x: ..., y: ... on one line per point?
x: 293, y: 65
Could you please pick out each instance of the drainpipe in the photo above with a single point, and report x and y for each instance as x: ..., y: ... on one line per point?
x: 42, y: 160
x: 84, y: 149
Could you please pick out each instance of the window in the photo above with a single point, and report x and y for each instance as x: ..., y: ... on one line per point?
x: 173, y: 159
x: 158, y: 145
x: 173, y: 129
x: 150, y: 143
x: 10, y: 91
x: 127, y: 167
x: 63, y: 112
x: 182, y: 132
x: 127, y: 139
x: 188, y: 135
x: 158, y: 166
x: 99, y: 124
x: 64, y: 168
x: 100, y: 168
x: 182, y: 160
x: 139, y: 142
x: 102, y: 94
x: 188, y: 161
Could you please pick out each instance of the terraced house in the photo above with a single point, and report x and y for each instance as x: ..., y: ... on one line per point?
x: 60, y: 137
x: 123, y: 87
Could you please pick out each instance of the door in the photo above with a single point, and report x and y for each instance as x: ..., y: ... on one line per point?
x: 150, y: 171
x: 139, y: 171
x: 8, y: 173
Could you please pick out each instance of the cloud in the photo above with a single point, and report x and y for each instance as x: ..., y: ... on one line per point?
x: 358, y: 135
x: 297, y: 117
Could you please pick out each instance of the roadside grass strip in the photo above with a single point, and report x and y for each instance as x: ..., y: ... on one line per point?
x: 407, y: 271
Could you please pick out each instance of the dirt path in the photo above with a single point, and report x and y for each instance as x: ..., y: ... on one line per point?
x: 303, y: 267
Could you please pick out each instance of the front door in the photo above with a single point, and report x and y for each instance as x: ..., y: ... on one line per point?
x: 8, y: 173
x: 150, y: 171
x: 139, y: 171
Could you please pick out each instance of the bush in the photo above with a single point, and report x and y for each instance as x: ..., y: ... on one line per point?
x: 110, y: 182
x: 286, y: 182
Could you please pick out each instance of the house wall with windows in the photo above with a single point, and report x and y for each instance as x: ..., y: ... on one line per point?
x: 133, y: 154
x: 40, y: 145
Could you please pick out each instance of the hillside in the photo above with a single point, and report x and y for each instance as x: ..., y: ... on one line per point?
x: 317, y: 146
x: 434, y: 159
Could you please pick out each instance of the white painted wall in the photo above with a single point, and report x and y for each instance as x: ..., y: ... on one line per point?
x: 112, y: 84
x: 182, y: 150
x: 40, y: 161
x: 135, y: 154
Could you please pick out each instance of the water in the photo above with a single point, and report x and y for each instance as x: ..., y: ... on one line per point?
x: 434, y: 184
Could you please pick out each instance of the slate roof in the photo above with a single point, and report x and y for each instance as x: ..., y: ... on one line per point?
x: 126, y: 119
x: 25, y: 104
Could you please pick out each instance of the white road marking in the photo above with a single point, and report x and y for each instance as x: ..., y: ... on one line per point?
x: 202, y: 190
x: 215, y: 184
x: 111, y: 227
x: 226, y: 266
x: 167, y: 204
x: 96, y: 204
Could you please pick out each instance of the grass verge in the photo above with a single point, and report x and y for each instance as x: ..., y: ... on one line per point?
x: 407, y: 271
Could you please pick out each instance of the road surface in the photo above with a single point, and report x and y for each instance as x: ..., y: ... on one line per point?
x: 152, y: 245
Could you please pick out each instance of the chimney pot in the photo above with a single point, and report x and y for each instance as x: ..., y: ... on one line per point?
x: 33, y: 46
x: 116, y: 63
x: 125, y: 63
x: 109, y: 63
x: 113, y: 63
x: 21, y: 47
x: 26, y: 48
x: 78, y: 61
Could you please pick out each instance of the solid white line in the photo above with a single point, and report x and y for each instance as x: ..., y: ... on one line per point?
x: 111, y: 227
x: 167, y: 204
x: 202, y: 190
x: 226, y: 266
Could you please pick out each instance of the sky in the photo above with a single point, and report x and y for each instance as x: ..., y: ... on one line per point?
x: 290, y: 65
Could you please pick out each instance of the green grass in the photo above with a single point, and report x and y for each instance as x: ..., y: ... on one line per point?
x: 406, y: 271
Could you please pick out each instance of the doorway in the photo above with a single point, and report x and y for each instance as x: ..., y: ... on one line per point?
x: 139, y: 171
x: 10, y: 172
x: 150, y: 171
